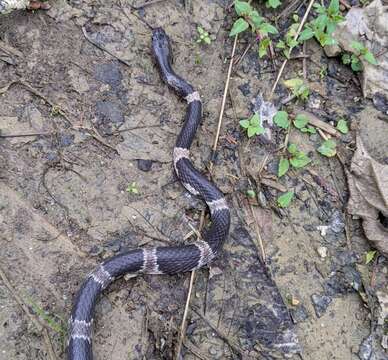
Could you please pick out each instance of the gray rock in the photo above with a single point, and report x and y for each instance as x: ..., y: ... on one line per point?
x: 144, y: 165
x: 320, y: 303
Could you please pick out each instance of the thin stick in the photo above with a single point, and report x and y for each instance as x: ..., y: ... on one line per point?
x: 289, y: 52
x: 183, y: 324
x: 223, y: 101
x: 33, y: 319
x: 25, y: 135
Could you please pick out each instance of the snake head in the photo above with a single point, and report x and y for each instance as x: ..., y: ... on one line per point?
x: 161, y: 45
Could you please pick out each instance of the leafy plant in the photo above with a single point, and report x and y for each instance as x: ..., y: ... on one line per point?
x: 360, y: 52
x: 252, y: 125
x: 203, y: 36
x: 289, y: 41
x: 284, y: 200
x: 328, y: 148
x: 132, y: 188
x: 301, y: 122
x: 250, y: 18
x: 298, y: 158
x: 298, y: 88
x: 323, y: 26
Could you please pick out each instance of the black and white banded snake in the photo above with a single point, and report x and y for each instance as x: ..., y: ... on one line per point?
x: 159, y: 260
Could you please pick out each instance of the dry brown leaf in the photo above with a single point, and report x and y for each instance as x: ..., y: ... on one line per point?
x: 368, y: 185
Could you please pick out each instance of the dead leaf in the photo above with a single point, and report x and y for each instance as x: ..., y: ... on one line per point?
x: 367, y: 181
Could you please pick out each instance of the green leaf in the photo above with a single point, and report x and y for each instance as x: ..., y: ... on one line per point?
x: 300, y: 160
x: 357, y: 46
x: 284, y: 200
x: 263, y: 46
x: 251, y: 194
x: 245, y: 123
x: 255, y: 130
x: 292, y: 149
x: 239, y: 26
x: 342, y: 126
x: 309, y: 129
x: 242, y: 7
x: 207, y: 40
x: 284, y: 165
x: 255, y: 120
x: 281, y: 119
x: 328, y: 148
x: 266, y: 28
x: 293, y: 83
x: 281, y: 44
x: 333, y: 7
x: 356, y: 64
x: 273, y: 3
x: 306, y: 34
x: 256, y: 19
x: 301, y: 121
x: 368, y: 56
x: 369, y: 256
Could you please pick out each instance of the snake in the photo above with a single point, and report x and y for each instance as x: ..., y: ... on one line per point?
x: 158, y: 260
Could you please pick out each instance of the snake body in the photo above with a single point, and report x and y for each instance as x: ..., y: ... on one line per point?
x: 158, y: 260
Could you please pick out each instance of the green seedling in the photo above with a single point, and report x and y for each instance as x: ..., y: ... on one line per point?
x: 252, y: 125
x: 203, y: 36
x: 132, y: 188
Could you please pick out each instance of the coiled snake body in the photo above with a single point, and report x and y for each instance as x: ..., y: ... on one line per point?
x: 159, y: 260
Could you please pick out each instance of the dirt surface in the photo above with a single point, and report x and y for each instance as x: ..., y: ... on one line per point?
x: 106, y: 121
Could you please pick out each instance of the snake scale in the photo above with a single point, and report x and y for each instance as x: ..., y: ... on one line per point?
x: 158, y: 260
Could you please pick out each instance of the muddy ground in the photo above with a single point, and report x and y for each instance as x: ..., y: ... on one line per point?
x: 107, y: 121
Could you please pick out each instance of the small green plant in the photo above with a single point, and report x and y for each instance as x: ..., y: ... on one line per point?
x: 298, y: 88
x: 284, y: 200
x: 203, y: 36
x: 251, y: 193
x: 248, y: 17
x: 56, y: 110
x: 289, y: 41
x: 360, y: 52
x: 297, y: 159
x: 132, y: 188
x: 252, y: 125
x: 328, y: 148
x: 301, y: 122
x: 323, y: 26
x: 369, y: 256
x: 322, y: 72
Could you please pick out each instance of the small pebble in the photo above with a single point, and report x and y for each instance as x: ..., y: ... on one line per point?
x: 144, y: 165
x: 322, y: 251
